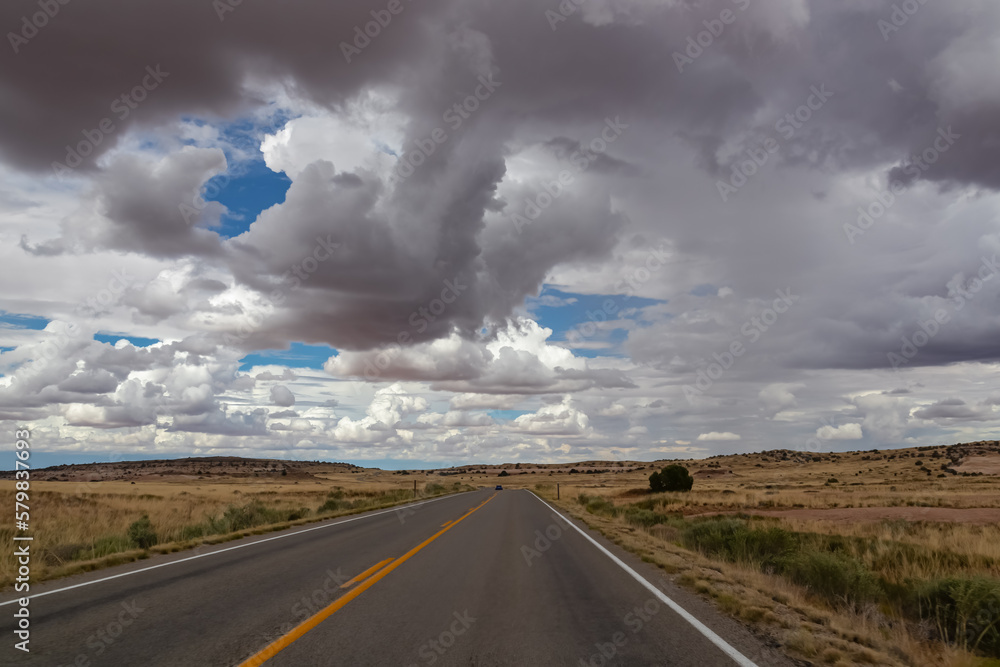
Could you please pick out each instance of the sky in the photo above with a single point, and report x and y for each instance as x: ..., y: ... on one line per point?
x: 444, y: 232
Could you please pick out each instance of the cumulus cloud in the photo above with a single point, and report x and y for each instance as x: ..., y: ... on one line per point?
x: 579, y: 247
x: 282, y: 396
x: 843, y: 432
x: 518, y: 360
x: 716, y: 436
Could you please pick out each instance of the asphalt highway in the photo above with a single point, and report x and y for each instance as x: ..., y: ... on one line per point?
x: 477, y: 579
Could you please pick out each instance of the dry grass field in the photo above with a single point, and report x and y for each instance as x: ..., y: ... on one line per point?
x: 880, y: 558
x: 102, y: 515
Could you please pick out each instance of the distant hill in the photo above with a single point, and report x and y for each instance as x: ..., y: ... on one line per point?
x: 980, y: 457
x: 193, y: 468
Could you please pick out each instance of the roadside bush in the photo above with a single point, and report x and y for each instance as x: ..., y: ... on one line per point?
x: 672, y: 478
x: 601, y: 506
x: 241, y: 517
x: 105, y: 546
x: 964, y: 610
x: 300, y: 513
x: 335, y: 505
x: 433, y: 488
x: 193, y: 531
x: 735, y: 540
x: 645, y: 518
x: 836, y: 577
x: 141, y: 533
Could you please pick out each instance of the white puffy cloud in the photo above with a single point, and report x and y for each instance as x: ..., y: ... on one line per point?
x: 560, y: 419
x: 282, y: 396
x: 716, y: 436
x: 842, y: 432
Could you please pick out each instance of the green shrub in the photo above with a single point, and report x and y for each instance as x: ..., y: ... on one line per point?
x: 656, y: 483
x: 965, y: 611
x: 733, y: 539
x: 672, y: 478
x: 433, y: 488
x: 241, y: 517
x: 835, y: 577
x: 601, y: 506
x: 643, y: 517
x: 335, y: 505
x: 141, y: 533
x: 300, y: 513
x: 105, y: 546
x: 193, y: 531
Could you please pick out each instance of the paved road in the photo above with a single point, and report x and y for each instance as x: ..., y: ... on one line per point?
x: 482, y: 578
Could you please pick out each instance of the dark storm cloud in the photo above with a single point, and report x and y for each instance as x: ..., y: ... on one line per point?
x: 953, y: 409
x: 361, y: 260
x: 66, y: 79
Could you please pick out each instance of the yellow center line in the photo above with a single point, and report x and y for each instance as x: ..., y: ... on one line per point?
x: 367, y: 573
x: 446, y: 524
x: 285, y: 641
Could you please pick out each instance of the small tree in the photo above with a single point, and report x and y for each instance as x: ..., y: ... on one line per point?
x: 672, y: 478
x: 141, y: 533
x: 503, y: 473
x: 656, y: 483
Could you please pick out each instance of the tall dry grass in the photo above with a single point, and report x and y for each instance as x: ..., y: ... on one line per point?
x: 73, y: 524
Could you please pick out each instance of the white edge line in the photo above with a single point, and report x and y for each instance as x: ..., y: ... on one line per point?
x: 738, y: 657
x: 238, y: 546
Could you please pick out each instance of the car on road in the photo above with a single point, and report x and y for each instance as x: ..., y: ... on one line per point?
x: 499, y: 487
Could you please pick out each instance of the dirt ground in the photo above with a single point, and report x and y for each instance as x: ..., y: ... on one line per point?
x: 976, y: 515
x: 987, y: 465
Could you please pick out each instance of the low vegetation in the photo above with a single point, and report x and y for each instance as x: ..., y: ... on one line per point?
x: 79, y: 527
x: 672, y: 478
x: 946, y: 593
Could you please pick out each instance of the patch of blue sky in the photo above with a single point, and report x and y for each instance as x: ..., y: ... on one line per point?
x: 573, y: 316
x: 248, y: 187
x: 19, y: 321
x: 138, y: 341
x: 506, y: 415
x: 299, y: 355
